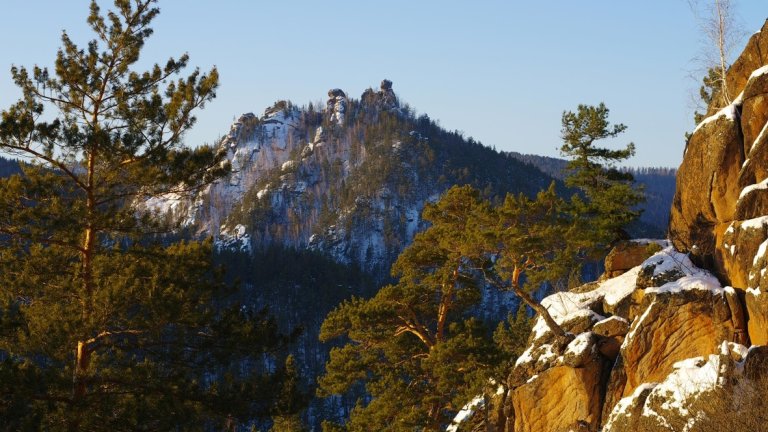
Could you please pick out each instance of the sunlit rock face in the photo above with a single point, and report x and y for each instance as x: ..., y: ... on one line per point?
x: 720, y: 211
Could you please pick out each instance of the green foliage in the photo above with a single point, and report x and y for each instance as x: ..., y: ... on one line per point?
x: 709, y: 92
x: 512, y: 336
x: 413, y: 345
x: 608, y: 200
x: 103, y: 326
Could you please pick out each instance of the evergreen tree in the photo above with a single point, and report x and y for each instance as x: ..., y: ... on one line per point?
x: 609, y: 199
x: 413, y: 345
x: 528, y: 241
x: 102, y: 326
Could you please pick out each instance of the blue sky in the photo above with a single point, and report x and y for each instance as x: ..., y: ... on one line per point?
x: 500, y: 71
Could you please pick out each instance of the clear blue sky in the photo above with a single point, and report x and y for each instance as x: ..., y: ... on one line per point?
x: 501, y: 71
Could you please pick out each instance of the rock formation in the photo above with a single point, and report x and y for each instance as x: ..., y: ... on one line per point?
x: 635, y: 338
x: 721, y: 202
x: 382, y: 100
x: 651, y: 346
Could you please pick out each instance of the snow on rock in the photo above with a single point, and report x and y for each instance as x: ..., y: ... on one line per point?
x: 761, y: 251
x: 288, y: 165
x: 690, y: 378
x: 624, y: 408
x: 673, y: 397
x: 543, y: 355
x: 757, y: 140
x: 465, y: 413
x: 730, y: 113
x: 567, y: 306
x: 759, y: 72
x: 752, y: 224
x: 469, y: 409
x: 703, y: 281
x: 579, y: 345
x: 751, y: 188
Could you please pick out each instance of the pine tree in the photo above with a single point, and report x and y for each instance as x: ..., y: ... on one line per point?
x: 609, y: 199
x: 102, y: 325
x: 528, y: 241
x: 413, y: 345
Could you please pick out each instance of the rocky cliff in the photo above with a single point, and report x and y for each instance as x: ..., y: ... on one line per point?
x: 720, y: 209
x: 645, y: 349
x: 671, y: 340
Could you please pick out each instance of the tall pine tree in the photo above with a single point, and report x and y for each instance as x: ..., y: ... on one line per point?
x: 609, y: 198
x: 102, y: 326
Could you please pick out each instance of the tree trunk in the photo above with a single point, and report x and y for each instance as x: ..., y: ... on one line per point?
x: 536, y: 306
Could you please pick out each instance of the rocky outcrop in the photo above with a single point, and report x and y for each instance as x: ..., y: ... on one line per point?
x: 382, y: 100
x: 656, y: 323
x: 684, y: 319
x: 719, y: 182
x: 720, y: 210
x: 336, y: 105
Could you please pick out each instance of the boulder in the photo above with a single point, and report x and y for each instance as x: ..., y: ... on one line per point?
x: 335, y: 93
x: 625, y: 256
x: 656, y: 272
x: 561, y: 398
x: 382, y: 100
x: 675, y: 325
x: 581, y: 350
x: 706, y: 190
x: 612, y: 326
x: 336, y: 105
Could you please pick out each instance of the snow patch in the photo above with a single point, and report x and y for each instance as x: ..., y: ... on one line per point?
x: 465, y: 412
x: 689, y: 379
x: 751, y: 188
x: 752, y: 224
x: 703, y: 282
x: 287, y: 165
x: 760, y: 252
x: 235, y: 239
x: 757, y: 140
x: 759, y: 72
x: 579, y: 345
x: 567, y: 306
x: 469, y: 409
x: 730, y: 113
x: 638, y: 323
x: 622, y: 407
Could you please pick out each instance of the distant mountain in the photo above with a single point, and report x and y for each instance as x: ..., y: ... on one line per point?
x: 657, y: 183
x: 348, y: 179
